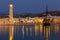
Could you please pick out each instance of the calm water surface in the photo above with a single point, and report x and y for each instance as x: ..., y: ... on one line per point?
x: 31, y: 32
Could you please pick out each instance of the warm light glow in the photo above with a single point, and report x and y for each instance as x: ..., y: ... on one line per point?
x: 41, y: 28
x: 11, y: 37
x: 36, y: 29
x: 11, y: 5
x: 56, y: 29
x: 37, y: 20
x: 11, y: 33
x: 47, y: 33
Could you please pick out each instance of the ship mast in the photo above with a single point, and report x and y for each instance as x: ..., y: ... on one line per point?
x: 46, y: 10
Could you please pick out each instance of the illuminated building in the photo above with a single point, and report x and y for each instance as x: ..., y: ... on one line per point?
x: 11, y: 13
x: 11, y: 20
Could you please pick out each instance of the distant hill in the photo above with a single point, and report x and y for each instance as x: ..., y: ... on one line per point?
x: 53, y: 13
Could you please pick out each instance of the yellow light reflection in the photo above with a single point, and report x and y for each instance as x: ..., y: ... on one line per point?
x: 41, y: 27
x: 47, y: 33
x: 11, y: 38
x: 36, y: 29
x: 56, y: 29
x: 11, y: 32
x: 44, y: 31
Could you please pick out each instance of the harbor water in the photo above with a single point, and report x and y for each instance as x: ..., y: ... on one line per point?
x: 30, y: 32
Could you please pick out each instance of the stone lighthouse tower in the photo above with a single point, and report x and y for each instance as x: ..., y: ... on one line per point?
x: 11, y: 13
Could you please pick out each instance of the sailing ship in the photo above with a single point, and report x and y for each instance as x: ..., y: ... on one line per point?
x: 47, y: 20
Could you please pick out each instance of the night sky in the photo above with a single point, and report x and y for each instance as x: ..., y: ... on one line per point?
x: 29, y: 6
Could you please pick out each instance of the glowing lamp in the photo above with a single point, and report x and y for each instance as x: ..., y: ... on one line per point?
x: 11, y: 5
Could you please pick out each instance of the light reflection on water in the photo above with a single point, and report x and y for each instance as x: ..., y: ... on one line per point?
x: 11, y: 32
x: 23, y: 31
x: 31, y: 32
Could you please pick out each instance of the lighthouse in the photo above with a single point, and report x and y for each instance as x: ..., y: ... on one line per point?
x: 11, y: 13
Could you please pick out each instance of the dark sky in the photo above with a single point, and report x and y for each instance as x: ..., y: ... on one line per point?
x: 29, y: 6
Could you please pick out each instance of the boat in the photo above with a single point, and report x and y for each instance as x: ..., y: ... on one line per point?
x: 47, y: 19
x: 46, y: 22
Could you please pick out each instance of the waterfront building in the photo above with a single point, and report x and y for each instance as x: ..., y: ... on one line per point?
x: 11, y: 20
x: 11, y: 13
